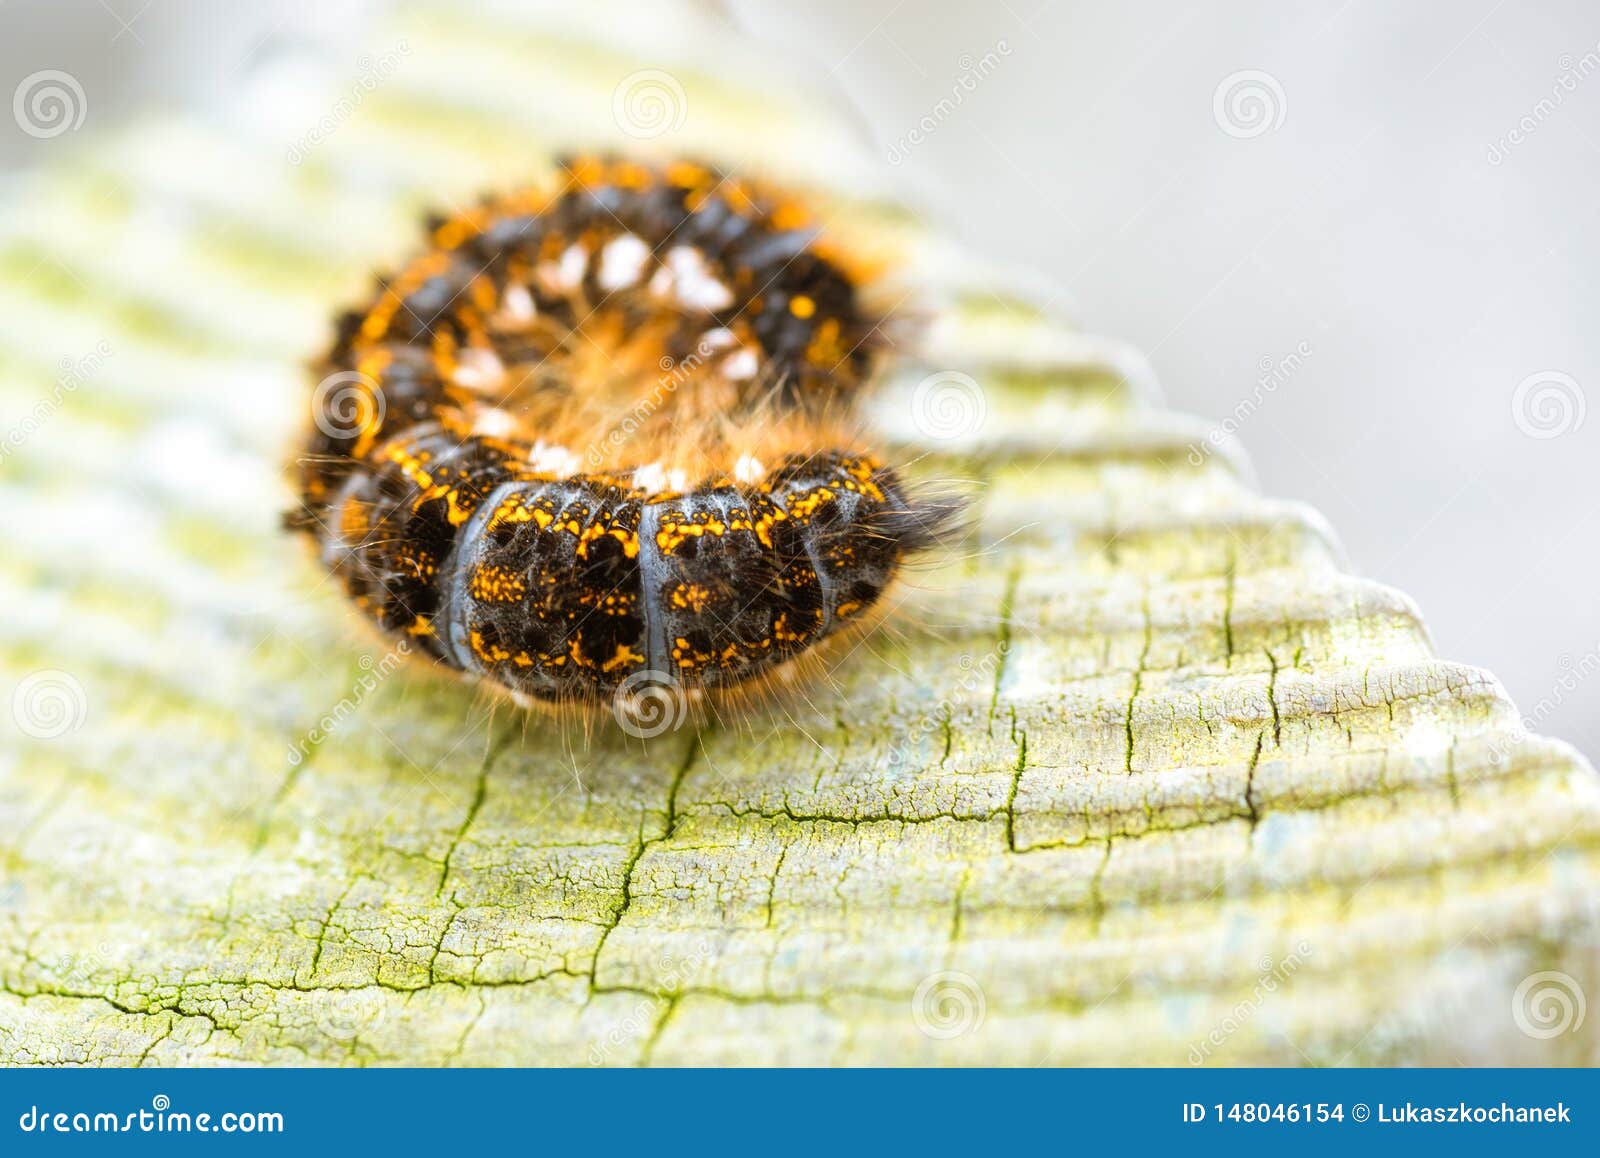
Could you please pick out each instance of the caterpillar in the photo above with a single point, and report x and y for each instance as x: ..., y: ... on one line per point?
x: 471, y: 485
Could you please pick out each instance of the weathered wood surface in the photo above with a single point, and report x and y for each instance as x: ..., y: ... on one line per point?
x: 1142, y: 777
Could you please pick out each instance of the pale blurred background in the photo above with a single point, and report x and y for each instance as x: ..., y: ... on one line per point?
x: 1400, y: 196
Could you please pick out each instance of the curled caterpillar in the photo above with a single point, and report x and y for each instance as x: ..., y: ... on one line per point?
x: 602, y: 429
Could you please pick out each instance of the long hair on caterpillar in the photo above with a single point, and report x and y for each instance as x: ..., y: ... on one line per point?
x: 598, y: 443
x: 806, y: 695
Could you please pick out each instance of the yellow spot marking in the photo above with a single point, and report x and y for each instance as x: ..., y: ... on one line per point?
x: 622, y: 656
x: 452, y: 233
x: 807, y: 504
x: 687, y: 173
x: 670, y: 535
x: 825, y: 348
x: 491, y: 584
x: 509, y: 511
x: 693, y: 597
x: 790, y: 215
x: 458, y: 511
x: 781, y: 632
x: 497, y: 654
x: 629, y: 540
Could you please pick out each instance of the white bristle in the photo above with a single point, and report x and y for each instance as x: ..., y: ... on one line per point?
x: 748, y: 469
x: 554, y: 460
x: 740, y: 366
x: 517, y: 304
x: 574, y: 264
x: 479, y: 370
x: 651, y: 477
x: 622, y: 262
x: 493, y: 422
x: 693, y: 282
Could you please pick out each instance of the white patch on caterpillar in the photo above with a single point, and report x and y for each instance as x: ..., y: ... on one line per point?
x: 740, y: 366
x: 517, y: 305
x: 718, y: 338
x: 654, y: 479
x: 651, y: 478
x: 622, y: 262
x: 478, y: 370
x: 553, y: 460
x: 565, y: 275
x: 574, y: 264
x: 493, y: 422
x: 686, y: 275
x: 748, y: 469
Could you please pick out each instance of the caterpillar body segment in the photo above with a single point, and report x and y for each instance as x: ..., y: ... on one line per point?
x: 595, y: 433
